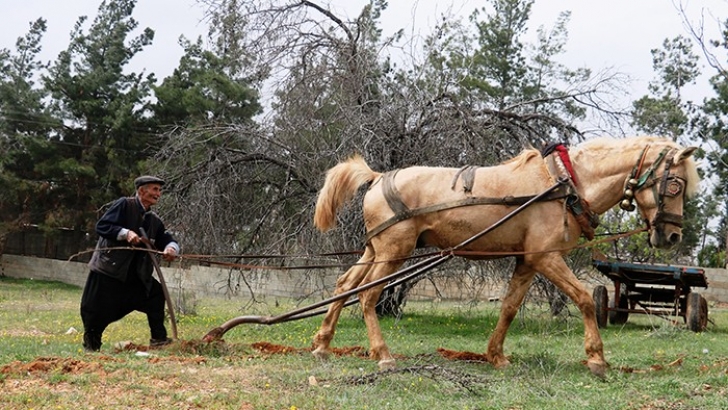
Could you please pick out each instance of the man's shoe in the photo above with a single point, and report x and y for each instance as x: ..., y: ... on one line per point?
x: 91, y: 342
x: 159, y: 342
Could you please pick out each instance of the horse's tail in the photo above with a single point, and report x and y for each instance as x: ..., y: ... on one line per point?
x: 342, y: 182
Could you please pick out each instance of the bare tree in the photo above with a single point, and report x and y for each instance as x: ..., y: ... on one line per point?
x: 337, y: 90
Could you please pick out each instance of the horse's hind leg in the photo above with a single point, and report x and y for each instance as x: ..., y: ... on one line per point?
x: 517, y: 288
x: 369, y: 298
x: 349, y: 280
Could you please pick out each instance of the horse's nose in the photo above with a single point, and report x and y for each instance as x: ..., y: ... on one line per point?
x: 674, y: 238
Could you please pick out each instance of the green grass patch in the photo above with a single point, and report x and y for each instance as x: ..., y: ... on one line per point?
x: 655, y: 363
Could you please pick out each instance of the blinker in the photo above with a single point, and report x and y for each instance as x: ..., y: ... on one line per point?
x: 673, y: 188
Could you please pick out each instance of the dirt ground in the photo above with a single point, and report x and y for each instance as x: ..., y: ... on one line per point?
x: 107, y: 380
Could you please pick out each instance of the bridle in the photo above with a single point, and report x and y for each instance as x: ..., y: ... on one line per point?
x: 670, y: 185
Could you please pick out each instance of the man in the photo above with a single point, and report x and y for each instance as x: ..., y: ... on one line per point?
x: 120, y: 280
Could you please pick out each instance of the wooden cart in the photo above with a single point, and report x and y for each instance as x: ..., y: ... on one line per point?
x: 651, y: 289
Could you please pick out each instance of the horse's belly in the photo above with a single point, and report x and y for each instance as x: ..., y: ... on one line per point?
x: 455, y: 231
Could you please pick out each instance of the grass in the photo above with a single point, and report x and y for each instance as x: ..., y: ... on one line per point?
x: 654, y: 364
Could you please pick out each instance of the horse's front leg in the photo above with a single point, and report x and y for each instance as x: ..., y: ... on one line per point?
x: 553, y: 268
x: 517, y: 288
x: 349, y: 280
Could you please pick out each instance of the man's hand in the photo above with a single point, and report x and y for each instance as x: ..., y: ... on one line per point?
x: 169, y: 254
x: 132, y: 237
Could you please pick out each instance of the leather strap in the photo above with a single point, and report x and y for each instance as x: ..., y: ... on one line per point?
x: 468, y: 175
x: 561, y: 192
x: 392, y: 195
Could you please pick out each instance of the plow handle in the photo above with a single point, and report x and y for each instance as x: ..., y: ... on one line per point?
x: 167, y: 298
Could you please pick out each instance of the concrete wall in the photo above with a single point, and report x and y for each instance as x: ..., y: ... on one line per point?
x: 198, y: 280
x: 223, y: 282
x: 717, y: 290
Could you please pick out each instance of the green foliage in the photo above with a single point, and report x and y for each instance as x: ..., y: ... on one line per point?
x: 712, y: 256
x: 660, y: 116
x: 498, y: 67
x: 498, y: 72
x: 665, y: 112
x: 201, y: 90
x: 712, y: 127
x: 77, y: 139
x: 78, y: 136
x: 24, y: 118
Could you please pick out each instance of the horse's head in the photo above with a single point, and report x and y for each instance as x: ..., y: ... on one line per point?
x: 660, y: 191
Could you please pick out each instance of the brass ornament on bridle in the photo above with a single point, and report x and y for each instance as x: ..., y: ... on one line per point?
x: 627, y: 203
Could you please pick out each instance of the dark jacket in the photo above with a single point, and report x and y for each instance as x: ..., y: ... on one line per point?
x: 118, y: 263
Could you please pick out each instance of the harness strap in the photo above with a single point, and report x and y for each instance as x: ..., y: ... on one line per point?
x: 638, y: 166
x: 649, y: 173
x: 666, y: 174
x: 561, y: 192
x: 661, y: 215
x: 468, y: 174
x: 669, y: 217
x: 392, y: 195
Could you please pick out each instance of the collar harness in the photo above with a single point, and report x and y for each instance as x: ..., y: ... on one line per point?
x: 559, y: 164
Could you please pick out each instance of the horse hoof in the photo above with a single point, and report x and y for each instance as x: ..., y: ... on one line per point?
x: 498, y: 361
x: 501, y: 364
x: 387, y: 364
x: 598, y: 369
x: 321, y: 353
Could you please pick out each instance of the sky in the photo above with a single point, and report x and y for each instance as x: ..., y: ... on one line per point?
x: 603, y: 34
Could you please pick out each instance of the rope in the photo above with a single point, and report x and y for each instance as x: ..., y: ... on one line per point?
x: 245, y: 266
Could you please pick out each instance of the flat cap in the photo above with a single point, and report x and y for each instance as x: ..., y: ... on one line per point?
x: 147, y: 179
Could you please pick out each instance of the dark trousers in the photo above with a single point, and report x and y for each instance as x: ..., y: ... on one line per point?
x: 106, y: 300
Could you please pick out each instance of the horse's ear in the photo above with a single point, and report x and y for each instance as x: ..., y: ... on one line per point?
x: 685, y: 153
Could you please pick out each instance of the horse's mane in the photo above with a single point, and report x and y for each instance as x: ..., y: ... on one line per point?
x: 522, y: 158
x: 605, y: 146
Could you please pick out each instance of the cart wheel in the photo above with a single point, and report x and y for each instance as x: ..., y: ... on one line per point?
x: 615, y: 317
x: 601, y: 299
x: 697, y: 312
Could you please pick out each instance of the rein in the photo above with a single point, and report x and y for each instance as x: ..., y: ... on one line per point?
x: 466, y: 254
